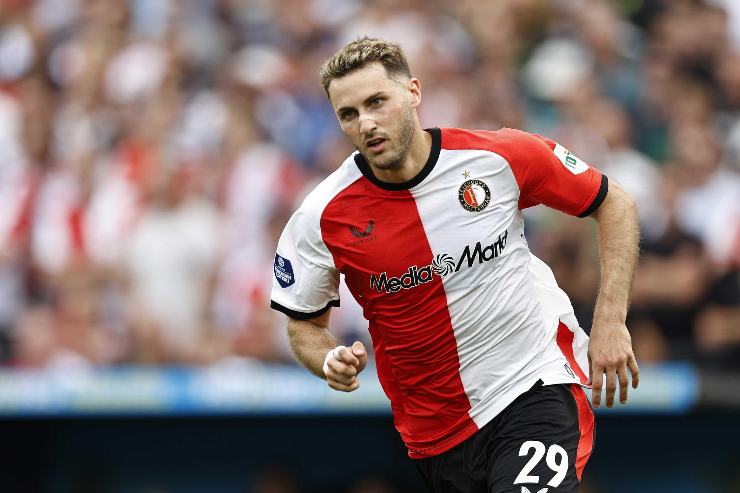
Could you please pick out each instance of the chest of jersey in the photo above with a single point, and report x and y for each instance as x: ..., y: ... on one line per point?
x: 458, y: 225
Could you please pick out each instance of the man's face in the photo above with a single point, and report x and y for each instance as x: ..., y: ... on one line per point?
x: 376, y: 114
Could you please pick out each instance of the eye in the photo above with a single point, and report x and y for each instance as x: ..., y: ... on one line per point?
x: 375, y: 102
x: 346, y: 115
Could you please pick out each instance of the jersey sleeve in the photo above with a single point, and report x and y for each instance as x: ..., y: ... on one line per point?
x: 305, y: 282
x: 548, y: 173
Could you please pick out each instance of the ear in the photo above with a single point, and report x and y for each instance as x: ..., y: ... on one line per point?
x: 414, y: 88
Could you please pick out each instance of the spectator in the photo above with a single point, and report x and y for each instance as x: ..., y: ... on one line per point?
x: 149, y: 150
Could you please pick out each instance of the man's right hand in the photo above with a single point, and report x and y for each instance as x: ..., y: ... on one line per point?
x: 343, y: 364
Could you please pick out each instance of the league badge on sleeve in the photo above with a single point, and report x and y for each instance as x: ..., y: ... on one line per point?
x: 569, y: 160
x: 283, y: 271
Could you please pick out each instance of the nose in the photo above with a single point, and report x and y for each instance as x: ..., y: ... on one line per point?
x: 367, y: 124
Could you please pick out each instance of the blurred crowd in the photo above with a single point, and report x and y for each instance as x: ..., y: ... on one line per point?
x: 152, y: 150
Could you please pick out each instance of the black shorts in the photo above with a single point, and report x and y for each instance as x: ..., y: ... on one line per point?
x: 538, y: 444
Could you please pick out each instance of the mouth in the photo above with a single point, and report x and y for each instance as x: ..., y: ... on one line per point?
x: 376, y: 144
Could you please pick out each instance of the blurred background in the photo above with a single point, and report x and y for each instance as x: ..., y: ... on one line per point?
x: 151, y: 152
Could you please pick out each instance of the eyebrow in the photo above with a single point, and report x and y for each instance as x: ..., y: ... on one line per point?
x: 367, y: 100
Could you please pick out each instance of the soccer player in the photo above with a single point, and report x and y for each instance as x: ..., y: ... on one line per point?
x: 475, y: 344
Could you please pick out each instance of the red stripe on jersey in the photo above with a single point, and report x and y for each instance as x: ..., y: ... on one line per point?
x: 541, y: 176
x: 565, y: 343
x: 586, y: 428
x: 374, y: 232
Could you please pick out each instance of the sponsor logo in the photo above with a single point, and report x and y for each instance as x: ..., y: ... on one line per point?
x: 363, y: 235
x: 283, y: 271
x: 482, y: 254
x: 569, y: 160
x: 360, y: 233
x: 474, y: 195
x: 413, y: 277
x: 442, y: 265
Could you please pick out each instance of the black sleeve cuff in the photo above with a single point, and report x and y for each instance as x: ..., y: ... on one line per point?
x: 302, y: 315
x: 600, y: 196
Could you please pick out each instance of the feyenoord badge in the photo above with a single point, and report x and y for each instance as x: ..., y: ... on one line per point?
x: 474, y: 195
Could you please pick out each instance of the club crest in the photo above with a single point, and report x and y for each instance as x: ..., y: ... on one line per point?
x: 474, y: 195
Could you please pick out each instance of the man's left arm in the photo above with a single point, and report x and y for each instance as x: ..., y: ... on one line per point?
x: 610, y: 346
x: 548, y: 173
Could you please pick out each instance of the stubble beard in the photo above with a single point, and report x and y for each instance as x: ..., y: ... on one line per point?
x: 405, y: 139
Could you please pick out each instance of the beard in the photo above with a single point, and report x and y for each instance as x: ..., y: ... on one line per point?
x: 404, y: 138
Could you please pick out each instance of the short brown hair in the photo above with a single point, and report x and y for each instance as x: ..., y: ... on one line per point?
x: 361, y: 52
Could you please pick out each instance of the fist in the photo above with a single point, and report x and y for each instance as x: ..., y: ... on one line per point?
x: 342, y: 365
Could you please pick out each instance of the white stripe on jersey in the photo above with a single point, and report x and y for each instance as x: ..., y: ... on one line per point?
x: 529, y: 306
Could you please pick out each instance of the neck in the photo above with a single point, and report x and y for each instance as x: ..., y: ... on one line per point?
x: 421, y: 146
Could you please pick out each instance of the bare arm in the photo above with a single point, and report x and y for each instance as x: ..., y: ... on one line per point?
x: 312, y: 342
x: 610, y: 347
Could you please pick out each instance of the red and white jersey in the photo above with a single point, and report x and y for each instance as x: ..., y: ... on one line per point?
x: 463, y: 317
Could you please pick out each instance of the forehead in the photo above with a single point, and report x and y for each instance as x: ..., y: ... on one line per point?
x: 353, y: 88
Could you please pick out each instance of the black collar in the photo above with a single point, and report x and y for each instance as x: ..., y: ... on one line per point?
x: 428, y: 167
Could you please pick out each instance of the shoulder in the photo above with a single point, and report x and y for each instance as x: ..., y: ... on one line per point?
x: 508, y: 142
x: 522, y: 151
x: 330, y: 187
